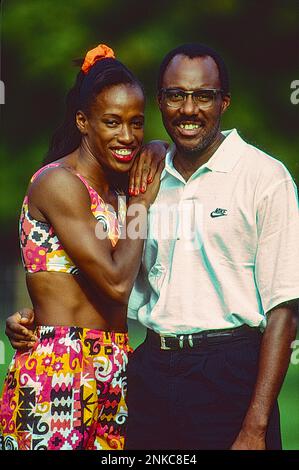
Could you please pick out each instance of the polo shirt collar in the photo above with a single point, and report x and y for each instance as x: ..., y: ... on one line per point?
x: 223, y: 160
x: 228, y: 153
x: 169, y: 166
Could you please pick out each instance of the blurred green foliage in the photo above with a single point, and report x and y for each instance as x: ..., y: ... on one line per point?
x: 258, y: 40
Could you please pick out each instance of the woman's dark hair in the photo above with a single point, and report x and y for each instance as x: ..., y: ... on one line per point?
x: 193, y: 50
x: 104, y: 73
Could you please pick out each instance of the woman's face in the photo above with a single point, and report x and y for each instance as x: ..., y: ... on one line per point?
x: 114, y: 126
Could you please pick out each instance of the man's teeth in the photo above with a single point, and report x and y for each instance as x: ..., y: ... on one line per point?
x: 123, y: 152
x: 189, y: 127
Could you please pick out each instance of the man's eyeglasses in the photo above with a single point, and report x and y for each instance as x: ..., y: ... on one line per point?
x: 204, y: 98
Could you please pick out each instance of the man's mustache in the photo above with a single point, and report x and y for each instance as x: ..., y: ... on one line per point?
x: 189, y: 119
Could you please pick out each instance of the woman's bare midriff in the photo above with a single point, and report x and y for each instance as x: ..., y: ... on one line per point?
x: 61, y: 299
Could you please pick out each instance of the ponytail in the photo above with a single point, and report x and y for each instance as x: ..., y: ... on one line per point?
x: 67, y: 137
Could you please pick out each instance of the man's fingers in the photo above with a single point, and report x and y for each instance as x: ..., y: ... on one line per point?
x: 22, y: 345
x: 26, y: 320
x: 27, y: 315
x: 20, y: 336
x: 16, y: 336
x: 16, y: 329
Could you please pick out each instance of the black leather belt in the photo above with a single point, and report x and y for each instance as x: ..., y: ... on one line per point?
x: 176, y: 342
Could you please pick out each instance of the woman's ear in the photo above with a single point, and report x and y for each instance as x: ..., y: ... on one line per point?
x: 81, y: 122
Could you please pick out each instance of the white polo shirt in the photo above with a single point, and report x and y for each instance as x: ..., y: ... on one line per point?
x: 223, y: 247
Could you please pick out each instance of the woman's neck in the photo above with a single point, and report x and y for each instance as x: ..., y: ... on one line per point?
x: 103, y: 181
x: 90, y: 168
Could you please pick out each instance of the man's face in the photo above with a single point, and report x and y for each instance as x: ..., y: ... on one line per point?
x: 192, y: 128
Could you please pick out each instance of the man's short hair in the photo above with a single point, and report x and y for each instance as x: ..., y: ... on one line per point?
x: 193, y: 50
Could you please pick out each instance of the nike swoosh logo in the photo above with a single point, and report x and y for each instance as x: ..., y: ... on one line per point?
x: 218, y: 213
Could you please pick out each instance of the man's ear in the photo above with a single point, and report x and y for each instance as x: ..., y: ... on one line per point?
x: 81, y: 122
x: 225, y: 103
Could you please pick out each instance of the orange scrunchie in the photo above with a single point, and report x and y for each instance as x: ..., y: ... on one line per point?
x: 100, y: 52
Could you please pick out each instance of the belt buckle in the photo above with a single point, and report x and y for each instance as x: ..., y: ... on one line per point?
x: 162, y: 340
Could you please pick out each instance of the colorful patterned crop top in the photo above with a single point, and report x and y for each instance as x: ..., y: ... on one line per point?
x: 40, y: 247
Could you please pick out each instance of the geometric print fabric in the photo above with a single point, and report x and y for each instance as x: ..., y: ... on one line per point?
x: 67, y: 392
x: 40, y: 248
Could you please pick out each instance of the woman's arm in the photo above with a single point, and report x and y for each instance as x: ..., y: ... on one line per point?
x: 113, y: 271
x: 65, y: 203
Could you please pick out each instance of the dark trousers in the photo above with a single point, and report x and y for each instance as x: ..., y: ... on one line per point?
x: 193, y: 398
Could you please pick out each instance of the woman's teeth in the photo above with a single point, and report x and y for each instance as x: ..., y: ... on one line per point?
x: 123, y: 152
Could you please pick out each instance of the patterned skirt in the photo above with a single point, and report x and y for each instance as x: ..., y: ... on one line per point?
x: 67, y: 392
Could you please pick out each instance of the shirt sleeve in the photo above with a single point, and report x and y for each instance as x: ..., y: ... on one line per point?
x: 277, y: 256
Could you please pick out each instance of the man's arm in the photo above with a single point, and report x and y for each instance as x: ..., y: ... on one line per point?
x: 273, y: 364
x: 277, y: 280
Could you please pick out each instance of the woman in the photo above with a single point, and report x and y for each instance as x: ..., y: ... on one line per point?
x: 68, y: 390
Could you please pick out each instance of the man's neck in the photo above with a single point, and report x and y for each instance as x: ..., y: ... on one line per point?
x: 187, y: 164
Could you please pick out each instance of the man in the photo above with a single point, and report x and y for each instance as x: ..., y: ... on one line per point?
x: 227, y: 269
x: 220, y: 265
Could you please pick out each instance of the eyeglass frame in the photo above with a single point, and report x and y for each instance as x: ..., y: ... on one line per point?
x: 215, y: 91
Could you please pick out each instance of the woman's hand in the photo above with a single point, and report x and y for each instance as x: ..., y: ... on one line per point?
x: 19, y: 328
x: 150, y: 195
x: 146, y: 165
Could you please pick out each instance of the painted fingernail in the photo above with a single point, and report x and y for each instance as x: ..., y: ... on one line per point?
x: 143, y: 188
x: 131, y: 191
x: 136, y: 192
x: 149, y: 179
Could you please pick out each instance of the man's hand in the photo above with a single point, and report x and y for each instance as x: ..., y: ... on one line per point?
x: 19, y: 328
x: 249, y: 441
x: 274, y: 359
x: 146, y: 165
